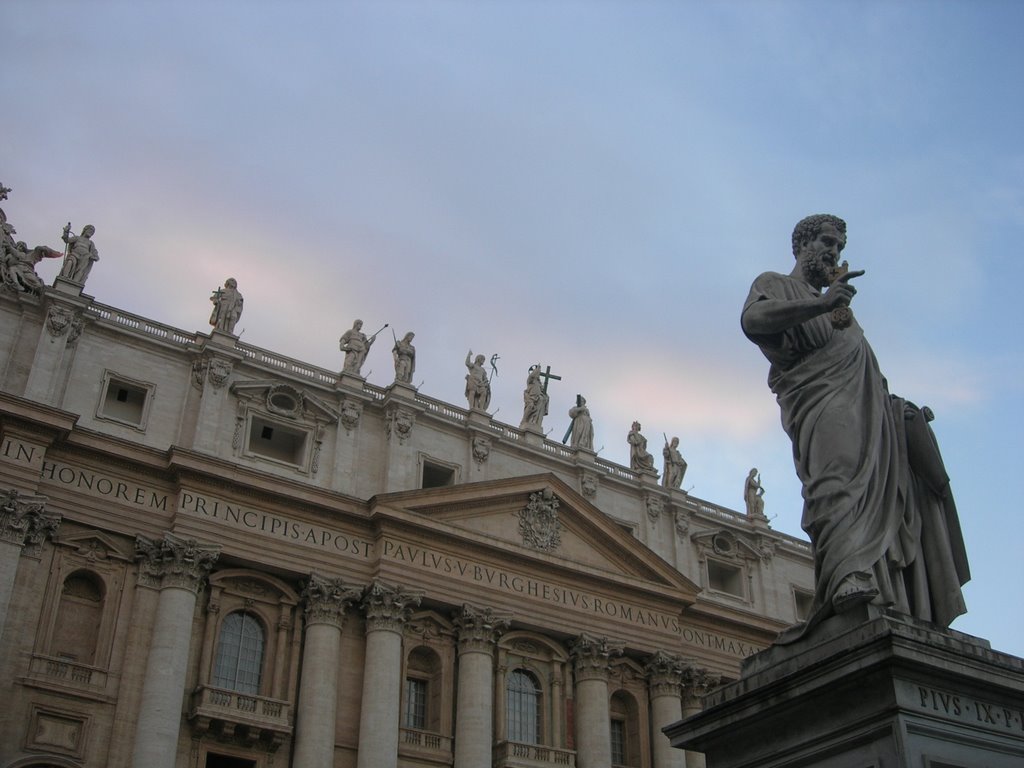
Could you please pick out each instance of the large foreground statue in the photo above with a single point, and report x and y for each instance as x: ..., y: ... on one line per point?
x: 877, y: 502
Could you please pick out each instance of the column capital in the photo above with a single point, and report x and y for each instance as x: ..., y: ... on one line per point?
x: 479, y: 628
x: 592, y: 656
x: 327, y: 600
x: 388, y: 607
x: 665, y: 673
x: 697, y: 682
x: 24, y: 520
x: 174, y: 562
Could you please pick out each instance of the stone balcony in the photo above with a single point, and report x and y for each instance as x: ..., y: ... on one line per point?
x: 514, y: 754
x: 57, y: 671
x: 426, y: 746
x: 232, y: 716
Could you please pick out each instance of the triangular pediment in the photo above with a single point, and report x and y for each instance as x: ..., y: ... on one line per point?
x: 542, y: 519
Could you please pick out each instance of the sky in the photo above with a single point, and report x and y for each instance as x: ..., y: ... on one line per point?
x: 587, y: 185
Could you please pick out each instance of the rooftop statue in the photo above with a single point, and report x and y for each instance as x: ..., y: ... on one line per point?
x: 227, y: 306
x: 675, y: 464
x: 356, y: 346
x: 81, y: 254
x: 877, y: 503
x: 753, y: 494
x: 478, y: 388
x: 535, y: 400
x: 404, y: 354
x: 639, y: 459
x: 582, y: 426
x: 17, y: 260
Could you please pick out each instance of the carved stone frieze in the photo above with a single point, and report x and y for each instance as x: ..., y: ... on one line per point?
x: 589, y: 484
x: 592, y: 655
x: 481, y: 448
x: 388, y: 607
x: 326, y: 600
x: 399, y: 422
x: 665, y: 673
x: 174, y: 561
x: 24, y: 520
x: 539, y: 523
x: 75, y: 329
x: 479, y: 628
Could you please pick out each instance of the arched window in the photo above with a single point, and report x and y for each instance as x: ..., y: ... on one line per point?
x: 239, y: 659
x: 523, y: 707
x: 625, y: 730
x: 422, y: 693
x: 79, y: 615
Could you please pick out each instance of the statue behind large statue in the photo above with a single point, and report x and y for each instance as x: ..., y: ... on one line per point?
x: 877, y: 502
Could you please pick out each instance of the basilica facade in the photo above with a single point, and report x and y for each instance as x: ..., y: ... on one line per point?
x: 215, y: 556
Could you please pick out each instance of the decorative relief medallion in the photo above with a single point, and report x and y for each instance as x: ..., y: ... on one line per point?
x: 351, y: 412
x: 285, y: 400
x: 399, y: 423
x: 655, y: 506
x: 589, y: 485
x: 58, y: 320
x: 538, y: 522
x: 481, y: 448
x: 682, y: 520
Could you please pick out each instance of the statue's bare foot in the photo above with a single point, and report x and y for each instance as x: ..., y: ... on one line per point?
x: 855, y: 589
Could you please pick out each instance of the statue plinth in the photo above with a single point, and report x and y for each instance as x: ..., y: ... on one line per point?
x: 867, y: 687
x: 351, y: 381
x: 70, y: 287
x: 401, y: 390
x: 476, y: 416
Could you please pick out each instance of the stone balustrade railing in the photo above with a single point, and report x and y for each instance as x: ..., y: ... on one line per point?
x: 514, y: 754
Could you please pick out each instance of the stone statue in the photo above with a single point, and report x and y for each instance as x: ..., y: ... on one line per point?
x: 405, y: 358
x: 877, y: 502
x: 227, y: 306
x: 478, y: 388
x: 675, y: 465
x: 753, y: 494
x: 356, y: 346
x: 639, y: 459
x: 535, y: 400
x: 17, y: 260
x: 582, y: 426
x: 80, y: 256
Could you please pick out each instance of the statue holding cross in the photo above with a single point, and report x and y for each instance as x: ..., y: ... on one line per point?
x: 535, y: 397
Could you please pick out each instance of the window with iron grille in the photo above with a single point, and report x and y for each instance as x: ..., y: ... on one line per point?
x: 523, y: 705
x: 415, y: 703
x: 239, y: 659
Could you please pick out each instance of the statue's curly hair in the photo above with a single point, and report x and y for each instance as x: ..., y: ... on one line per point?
x: 808, y: 228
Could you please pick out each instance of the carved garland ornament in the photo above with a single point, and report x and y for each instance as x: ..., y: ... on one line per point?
x: 538, y: 522
x: 58, y: 320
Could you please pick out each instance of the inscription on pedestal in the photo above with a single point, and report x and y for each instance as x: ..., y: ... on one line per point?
x: 966, y: 709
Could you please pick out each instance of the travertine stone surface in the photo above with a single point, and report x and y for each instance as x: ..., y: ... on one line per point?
x: 479, y: 629
x: 591, y: 657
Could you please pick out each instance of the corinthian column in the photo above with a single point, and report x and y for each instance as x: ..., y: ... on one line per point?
x: 316, y: 713
x: 665, y: 682
x: 591, y: 657
x: 177, y: 567
x: 23, y: 523
x: 479, y: 629
x: 696, y: 684
x: 387, y: 610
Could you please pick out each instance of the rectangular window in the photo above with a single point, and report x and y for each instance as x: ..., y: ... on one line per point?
x: 723, y: 577
x: 277, y: 441
x: 415, y: 703
x: 437, y: 475
x: 618, y: 742
x: 124, y: 401
x: 803, y: 601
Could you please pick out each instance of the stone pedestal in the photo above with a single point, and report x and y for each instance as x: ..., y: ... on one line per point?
x: 869, y: 688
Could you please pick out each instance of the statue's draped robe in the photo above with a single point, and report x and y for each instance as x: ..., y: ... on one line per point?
x: 876, y: 496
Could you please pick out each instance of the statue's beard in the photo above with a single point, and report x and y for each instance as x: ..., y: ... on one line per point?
x: 814, y: 269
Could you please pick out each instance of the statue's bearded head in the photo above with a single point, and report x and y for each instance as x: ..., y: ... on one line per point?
x: 817, y: 243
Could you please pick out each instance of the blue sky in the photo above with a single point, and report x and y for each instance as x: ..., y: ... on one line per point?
x: 588, y: 185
